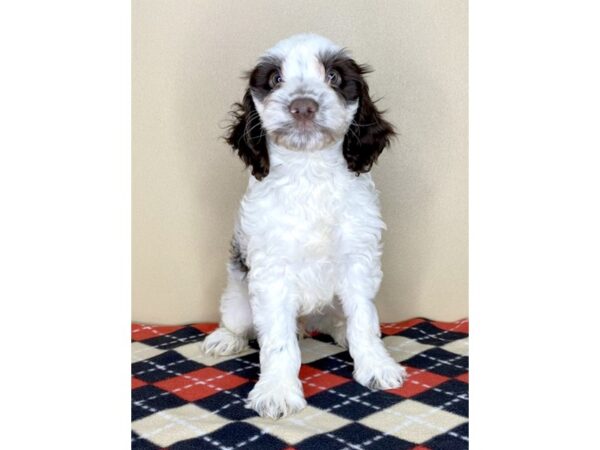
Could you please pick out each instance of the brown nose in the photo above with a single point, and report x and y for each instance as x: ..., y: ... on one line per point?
x: 303, y: 108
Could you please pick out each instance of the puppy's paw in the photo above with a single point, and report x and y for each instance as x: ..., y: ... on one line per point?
x: 339, y: 336
x: 222, y: 342
x: 386, y: 374
x: 275, y: 399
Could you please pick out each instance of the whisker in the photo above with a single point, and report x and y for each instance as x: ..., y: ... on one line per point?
x: 364, y: 124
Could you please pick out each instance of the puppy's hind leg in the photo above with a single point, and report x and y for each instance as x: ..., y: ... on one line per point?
x: 236, y: 317
x: 331, y: 321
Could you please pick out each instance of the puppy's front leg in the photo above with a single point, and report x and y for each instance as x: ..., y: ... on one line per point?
x: 373, y: 366
x: 278, y: 392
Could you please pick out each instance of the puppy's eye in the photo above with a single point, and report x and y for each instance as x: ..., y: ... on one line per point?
x: 334, y: 78
x: 275, y: 79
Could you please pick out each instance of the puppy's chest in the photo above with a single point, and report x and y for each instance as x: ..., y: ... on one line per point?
x: 302, y: 215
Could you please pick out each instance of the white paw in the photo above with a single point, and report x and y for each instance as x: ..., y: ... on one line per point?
x: 223, y: 342
x: 339, y: 336
x: 386, y: 374
x: 275, y: 400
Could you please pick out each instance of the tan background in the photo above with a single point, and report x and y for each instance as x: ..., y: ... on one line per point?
x: 188, y: 56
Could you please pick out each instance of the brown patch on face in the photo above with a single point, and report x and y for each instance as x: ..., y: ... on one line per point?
x: 352, y: 81
x: 260, y: 76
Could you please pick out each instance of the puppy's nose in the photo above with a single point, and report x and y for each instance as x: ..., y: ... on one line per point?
x: 303, y: 108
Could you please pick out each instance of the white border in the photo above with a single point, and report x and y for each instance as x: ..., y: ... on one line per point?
x: 65, y: 238
x: 534, y: 224
x: 65, y: 232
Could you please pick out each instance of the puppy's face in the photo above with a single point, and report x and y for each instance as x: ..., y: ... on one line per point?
x: 306, y: 94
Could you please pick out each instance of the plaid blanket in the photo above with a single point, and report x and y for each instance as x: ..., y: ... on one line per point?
x: 183, y: 399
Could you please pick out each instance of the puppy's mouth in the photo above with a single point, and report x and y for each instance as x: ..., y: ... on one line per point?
x: 309, y: 135
x: 306, y: 127
x: 292, y: 127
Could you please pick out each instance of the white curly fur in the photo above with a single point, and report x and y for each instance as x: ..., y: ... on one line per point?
x: 310, y: 232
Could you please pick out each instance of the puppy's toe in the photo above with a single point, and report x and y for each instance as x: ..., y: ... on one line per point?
x: 276, y: 400
x: 381, y: 375
x: 339, y: 336
x: 223, y: 342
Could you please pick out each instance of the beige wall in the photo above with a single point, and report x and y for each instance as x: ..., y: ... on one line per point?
x: 187, y: 59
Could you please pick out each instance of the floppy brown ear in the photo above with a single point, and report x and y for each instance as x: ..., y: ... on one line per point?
x: 247, y: 136
x: 368, y: 134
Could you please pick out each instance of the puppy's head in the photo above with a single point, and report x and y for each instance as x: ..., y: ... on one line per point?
x: 306, y: 94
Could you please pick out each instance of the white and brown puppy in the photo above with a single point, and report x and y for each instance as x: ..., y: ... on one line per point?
x: 307, y: 239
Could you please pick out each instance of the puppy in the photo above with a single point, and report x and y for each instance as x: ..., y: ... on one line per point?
x: 306, y: 245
